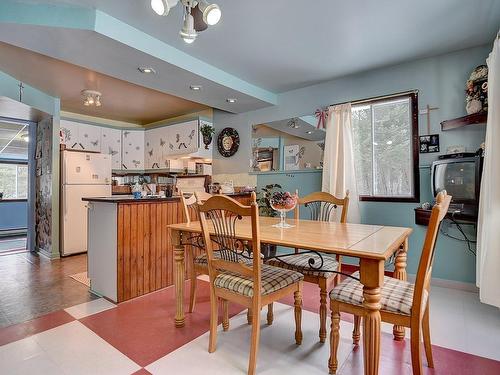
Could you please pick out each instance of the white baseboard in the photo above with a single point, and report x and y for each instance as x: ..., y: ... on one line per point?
x: 452, y: 284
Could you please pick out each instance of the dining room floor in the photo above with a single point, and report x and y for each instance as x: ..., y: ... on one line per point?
x: 139, y: 337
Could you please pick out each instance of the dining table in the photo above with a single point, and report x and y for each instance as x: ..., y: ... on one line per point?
x: 374, y: 246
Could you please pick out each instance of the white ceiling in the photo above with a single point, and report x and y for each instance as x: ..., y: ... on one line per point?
x: 281, y: 45
x: 12, y: 144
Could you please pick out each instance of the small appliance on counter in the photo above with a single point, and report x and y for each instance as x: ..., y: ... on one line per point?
x: 227, y: 187
x: 191, y: 184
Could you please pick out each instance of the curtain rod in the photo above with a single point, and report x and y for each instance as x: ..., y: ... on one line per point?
x: 360, y: 101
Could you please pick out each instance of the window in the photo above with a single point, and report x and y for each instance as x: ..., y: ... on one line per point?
x: 385, y: 141
x: 14, y: 180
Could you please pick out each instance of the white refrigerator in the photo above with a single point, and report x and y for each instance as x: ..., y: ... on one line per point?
x: 84, y: 175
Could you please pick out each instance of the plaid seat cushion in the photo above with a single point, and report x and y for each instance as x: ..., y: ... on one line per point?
x: 272, y: 278
x: 202, y: 260
x: 396, y: 295
x: 300, y: 263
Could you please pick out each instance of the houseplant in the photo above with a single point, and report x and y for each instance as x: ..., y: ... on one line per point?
x: 207, y: 131
x: 265, y: 209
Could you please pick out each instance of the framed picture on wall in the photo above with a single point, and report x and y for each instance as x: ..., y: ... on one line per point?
x: 429, y: 143
x: 291, y: 154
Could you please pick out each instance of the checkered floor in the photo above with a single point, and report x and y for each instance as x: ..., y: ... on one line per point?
x: 139, y: 337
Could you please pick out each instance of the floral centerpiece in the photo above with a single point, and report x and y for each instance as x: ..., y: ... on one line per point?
x: 283, y: 202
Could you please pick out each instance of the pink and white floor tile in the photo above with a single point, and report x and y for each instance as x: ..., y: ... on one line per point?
x: 139, y: 337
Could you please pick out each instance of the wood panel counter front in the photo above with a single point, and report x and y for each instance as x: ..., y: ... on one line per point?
x: 129, y: 248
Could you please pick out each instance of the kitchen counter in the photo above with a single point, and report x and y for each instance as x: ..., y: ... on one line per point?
x: 129, y: 247
x: 130, y: 198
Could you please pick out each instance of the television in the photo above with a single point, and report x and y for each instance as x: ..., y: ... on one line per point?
x: 461, y: 178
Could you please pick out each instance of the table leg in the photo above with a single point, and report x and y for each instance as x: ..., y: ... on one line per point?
x: 372, y: 278
x: 179, y: 270
x: 400, y: 274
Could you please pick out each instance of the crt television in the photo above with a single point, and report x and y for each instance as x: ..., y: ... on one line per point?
x: 461, y: 178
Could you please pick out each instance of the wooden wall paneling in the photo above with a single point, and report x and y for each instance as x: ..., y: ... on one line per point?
x: 164, y: 249
x: 133, y: 250
x: 152, y: 247
x: 158, y: 246
x: 147, y: 253
x: 120, y: 257
x: 126, y: 252
x: 140, y: 249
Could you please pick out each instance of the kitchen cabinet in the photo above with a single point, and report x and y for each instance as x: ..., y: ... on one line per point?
x: 111, y: 143
x: 156, y: 153
x: 133, y: 149
x: 79, y: 136
x: 182, y: 139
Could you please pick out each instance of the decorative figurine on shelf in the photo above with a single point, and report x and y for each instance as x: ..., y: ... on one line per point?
x: 477, y: 91
x: 283, y: 202
x: 207, y: 131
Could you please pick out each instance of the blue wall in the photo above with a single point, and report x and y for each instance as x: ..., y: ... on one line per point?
x: 13, y: 215
x: 440, y: 81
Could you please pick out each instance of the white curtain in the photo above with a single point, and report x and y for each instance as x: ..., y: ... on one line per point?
x: 488, y: 241
x: 338, y: 163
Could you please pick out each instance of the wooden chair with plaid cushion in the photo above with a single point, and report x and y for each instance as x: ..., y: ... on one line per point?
x: 402, y: 303
x: 322, y: 207
x: 199, y: 264
x: 235, y: 275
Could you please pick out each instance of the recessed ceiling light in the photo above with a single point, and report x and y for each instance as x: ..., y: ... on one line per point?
x: 231, y: 100
x: 309, y: 132
x: 146, y: 70
x: 195, y: 87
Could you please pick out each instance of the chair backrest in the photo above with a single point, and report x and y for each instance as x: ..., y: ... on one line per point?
x: 190, y: 205
x: 223, y: 215
x: 322, y: 206
x: 422, y: 282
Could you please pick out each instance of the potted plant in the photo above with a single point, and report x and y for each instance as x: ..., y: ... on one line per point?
x: 265, y: 209
x: 207, y: 131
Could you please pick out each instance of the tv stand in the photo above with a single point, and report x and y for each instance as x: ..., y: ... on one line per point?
x: 462, y: 214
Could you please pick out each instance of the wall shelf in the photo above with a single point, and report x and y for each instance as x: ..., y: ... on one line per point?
x: 475, y: 119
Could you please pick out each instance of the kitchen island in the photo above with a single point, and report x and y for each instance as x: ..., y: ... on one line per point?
x: 129, y: 247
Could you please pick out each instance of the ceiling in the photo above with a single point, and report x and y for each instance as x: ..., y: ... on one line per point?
x: 122, y: 101
x: 305, y: 127
x: 12, y: 143
x: 282, y: 45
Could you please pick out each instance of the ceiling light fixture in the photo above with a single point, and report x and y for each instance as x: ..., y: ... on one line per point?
x: 146, y: 70
x: 231, y: 100
x: 309, y: 132
x: 293, y: 124
x: 198, y: 15
x: 91, y: 98
x: 195, y: 87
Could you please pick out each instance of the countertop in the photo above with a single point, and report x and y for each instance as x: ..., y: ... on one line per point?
x: 130, y: 198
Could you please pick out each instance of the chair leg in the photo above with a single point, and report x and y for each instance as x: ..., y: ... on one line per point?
x: 334, y: 339
x: 416, y: 357
x: 193, y: 284
x: 249, y: 316
x: 254, y: 344
x: 225, y: 315
x: 426, y: 331
x: 214, y: 320
x: 270, y: 314
x: 322, y: 309
x: 298, y: 315
x: 356, y: 332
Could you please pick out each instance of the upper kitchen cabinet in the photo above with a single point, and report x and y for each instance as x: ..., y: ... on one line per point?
x: 203, y: 152
x: 111, y: 143
x: 78, y: 136
x: 133, y: 150
x: 156, y: 148
x: 182, y: 138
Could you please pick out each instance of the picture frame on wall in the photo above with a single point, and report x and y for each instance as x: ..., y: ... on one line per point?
x: 429, y: 143
x: 291, y: 154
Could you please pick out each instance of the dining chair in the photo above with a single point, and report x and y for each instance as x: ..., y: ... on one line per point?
x: 238, y: 277
x: 199, y: 264
x: 402, y: 303
x: 322, y: 206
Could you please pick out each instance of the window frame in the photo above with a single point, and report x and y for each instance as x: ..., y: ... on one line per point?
x: 413, y: 96
x: 16, y: 162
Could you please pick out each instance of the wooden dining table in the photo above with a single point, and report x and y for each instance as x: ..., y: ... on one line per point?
x: 373, y: 245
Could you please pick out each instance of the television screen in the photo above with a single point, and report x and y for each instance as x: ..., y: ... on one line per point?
x: 457, y: 178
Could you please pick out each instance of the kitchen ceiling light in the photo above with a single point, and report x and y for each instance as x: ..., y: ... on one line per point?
x: 231, y: 100
x: 195, y: 87
x: 211, y: 12
x: 198, y: 14
x: 91, y: 98
x: 146, y: 70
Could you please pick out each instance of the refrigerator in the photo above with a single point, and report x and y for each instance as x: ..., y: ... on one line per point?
x: 84, y: 175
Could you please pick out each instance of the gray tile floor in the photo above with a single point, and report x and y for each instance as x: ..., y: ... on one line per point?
x: 32, y: 286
